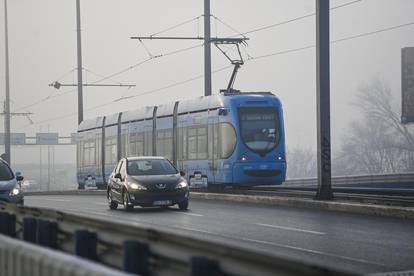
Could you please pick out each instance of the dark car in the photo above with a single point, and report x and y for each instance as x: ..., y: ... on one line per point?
x: 147, y: 181
x: 10, y: 190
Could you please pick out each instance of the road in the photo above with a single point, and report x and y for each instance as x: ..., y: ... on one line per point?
x: 357, y: 243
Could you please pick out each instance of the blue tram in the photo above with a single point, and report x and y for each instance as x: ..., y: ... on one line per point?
x: 230, y: 139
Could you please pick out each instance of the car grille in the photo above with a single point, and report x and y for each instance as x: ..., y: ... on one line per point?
x: 3, y: 192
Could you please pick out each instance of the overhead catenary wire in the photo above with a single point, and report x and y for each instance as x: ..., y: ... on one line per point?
x: 129, y: 97
x: 296, y: 19
x: 252, y: 59
x: 337, y: 40
x: 182, y: 50
x: 109, y: 77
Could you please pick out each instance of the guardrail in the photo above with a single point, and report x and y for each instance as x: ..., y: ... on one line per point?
x: 407, y: 178
x: 142, y: 250
x: 20, y: 258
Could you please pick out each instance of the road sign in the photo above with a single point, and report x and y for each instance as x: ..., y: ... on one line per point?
x: 47, y: 138
x: 15, y: 138
x: 407, y: 85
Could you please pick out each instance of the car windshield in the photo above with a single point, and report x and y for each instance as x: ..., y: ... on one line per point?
x: 150, y: 167
x: 5, y: 172
x: 259, y: 128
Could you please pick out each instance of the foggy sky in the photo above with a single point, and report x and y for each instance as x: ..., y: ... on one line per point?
x: 42, y: 46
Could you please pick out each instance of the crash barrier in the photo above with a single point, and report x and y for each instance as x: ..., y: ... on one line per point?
x: 142, y: 250
x: 390, y: 179
x: 18, y: 258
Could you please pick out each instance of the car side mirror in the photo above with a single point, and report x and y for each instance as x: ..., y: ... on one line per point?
x: 118, y: 175
x: 19, y: 178
x: 182, y: 173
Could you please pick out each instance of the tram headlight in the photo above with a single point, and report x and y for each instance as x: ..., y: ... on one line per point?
x: 279, y: 157
x: 244, y: 157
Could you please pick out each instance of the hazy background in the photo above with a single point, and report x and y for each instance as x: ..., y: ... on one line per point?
x: 42, y: 43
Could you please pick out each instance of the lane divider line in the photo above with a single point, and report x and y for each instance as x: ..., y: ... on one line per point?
x: 291, y: 229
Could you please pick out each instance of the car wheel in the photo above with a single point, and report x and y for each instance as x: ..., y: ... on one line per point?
x: 183, y: 205
x: 112, y: 204
x: 127, y: 206
x: 81, y: 187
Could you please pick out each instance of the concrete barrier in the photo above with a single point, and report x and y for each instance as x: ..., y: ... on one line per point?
x: 19, y: 258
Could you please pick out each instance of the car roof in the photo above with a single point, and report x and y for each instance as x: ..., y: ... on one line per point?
x: 145, y: 157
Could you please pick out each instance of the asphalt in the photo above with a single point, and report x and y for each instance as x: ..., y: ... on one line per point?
x: 358, y: 243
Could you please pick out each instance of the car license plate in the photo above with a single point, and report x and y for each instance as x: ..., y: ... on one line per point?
x: 162, y: 202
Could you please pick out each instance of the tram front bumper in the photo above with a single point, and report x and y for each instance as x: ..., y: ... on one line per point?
x: 259, y: 173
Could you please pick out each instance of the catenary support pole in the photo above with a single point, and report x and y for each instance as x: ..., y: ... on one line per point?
x: 324, y: 191
x: 207, y: 49
x: 7, y: 148
x: 80, y: 81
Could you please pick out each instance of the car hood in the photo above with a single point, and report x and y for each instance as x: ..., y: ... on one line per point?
x: 151, y: 181
x: 8, y: 185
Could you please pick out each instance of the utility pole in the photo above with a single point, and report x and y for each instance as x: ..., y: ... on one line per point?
x: 324, y: 191
x: 207, y: 49
x: 7, y: 147
x: 80, y: 83
x: 79, y: 45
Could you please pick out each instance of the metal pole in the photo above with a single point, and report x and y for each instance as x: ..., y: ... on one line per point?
x: 207, y: 49
x: 48, y: 162
x: 323, y: 101
x: 7, y: 149
x: 80, y: 82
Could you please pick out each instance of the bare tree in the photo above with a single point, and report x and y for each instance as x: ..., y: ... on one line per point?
x: 301, y: 163
x: 377, y: 143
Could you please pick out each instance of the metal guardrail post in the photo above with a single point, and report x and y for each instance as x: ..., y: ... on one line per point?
x: 46, y: 234
x: 8, y: 224
x: 29, y: 229
x: 86, y: 244
x: 136, y: 258
x: 202, y: 266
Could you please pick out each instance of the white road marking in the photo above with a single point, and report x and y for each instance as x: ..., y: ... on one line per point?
x: 314, y: 252
x: 57, y: 199
x: 291, y: 229
x: 190, y: 214
x: 197, y: 230
x: 286, y: 246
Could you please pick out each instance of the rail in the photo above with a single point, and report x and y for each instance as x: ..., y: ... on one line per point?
x: 390, y: 179
x: 144, y: 250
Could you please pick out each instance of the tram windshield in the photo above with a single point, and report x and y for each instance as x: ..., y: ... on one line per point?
x: 259, y: 127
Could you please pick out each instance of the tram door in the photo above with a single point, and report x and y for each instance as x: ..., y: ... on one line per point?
x: 213, y: 123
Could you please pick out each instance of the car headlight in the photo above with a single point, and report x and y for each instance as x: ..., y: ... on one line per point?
x: 136, y: 186
x: 14, y: 192
x: 181, y: 185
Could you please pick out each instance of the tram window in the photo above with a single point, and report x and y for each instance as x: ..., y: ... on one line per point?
x: 110, y: 150
x: 136, y: 144
x: 192, y: 144
x: 98, y: 151
x: 197, y: 143
x: 168, y: 144
x: 227, y: 139
x: 89, y: 153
